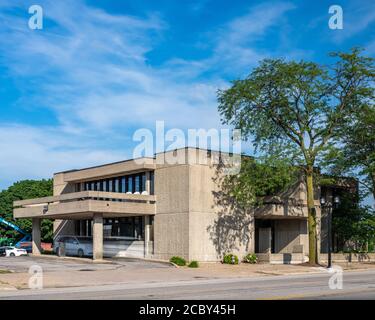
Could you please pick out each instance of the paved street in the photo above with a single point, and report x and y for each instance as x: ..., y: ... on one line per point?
x: 356, y: 285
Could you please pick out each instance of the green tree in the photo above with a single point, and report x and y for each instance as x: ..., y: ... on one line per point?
x: 353, y: 224
x: 356, y: 154
x: 26, y: 189
x: 257, y: 179
x: 294, y: 110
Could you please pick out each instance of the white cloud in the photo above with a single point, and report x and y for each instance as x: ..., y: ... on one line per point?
x: 91, y: 69
x: 235, y: 45
x: 34, y: 153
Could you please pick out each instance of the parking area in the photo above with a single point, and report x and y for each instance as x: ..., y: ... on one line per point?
x: 59, y: 272
x: 55, y: 264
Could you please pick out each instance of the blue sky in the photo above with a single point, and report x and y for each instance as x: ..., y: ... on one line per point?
x: 72, y: 94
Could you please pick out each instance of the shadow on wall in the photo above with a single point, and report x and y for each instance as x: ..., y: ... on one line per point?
x: 288, y: 203
x: 232, y: 229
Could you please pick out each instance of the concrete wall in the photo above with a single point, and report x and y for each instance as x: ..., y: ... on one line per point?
x: 124, y: 248
x: 63, y: 227
x: 171, y: 221
x: 190, y: 220
x: 216, y: 226
x: 282, y: 258
x: 290, y: 233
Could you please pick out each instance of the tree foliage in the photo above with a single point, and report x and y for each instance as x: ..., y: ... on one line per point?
x: 356, y: 154
x: 353, y: 225
x: 259, y: 178
x: 26, y: 189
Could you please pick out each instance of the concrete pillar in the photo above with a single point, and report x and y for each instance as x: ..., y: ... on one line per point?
x: 148, y: 182
x: 97, y: 236
x: 147, y: 235
x: 252, y: 236
x: 265, y: 240
x: 36, y: 235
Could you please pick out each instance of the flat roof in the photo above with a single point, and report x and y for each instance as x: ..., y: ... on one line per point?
x: 124, y: 161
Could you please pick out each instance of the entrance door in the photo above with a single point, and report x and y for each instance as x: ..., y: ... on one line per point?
x: 264, y: 236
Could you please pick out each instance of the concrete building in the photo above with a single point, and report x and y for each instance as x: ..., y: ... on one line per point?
x: 171, y: 205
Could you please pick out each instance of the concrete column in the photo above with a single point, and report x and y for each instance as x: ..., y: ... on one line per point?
x: 252, y: 236
x: 265, y: 240
x: 36, y: 235
x: 147, y: 235
x: 148, y: 182
x: 97, y: 236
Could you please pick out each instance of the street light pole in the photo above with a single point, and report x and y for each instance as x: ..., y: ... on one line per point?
x: 329, y: 235
x: 329, y: 206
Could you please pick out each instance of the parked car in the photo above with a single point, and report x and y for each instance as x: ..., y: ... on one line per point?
x: 2, y: 252
x: 25, y: 245
x: 73, y: 246
x: 12, y: 252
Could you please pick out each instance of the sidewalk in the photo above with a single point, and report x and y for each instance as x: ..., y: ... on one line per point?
x: 117, y: 273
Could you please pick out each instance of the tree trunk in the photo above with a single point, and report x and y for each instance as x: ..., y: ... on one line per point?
x: 313, y: 257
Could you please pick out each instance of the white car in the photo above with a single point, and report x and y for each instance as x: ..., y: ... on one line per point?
x: 14, y: 252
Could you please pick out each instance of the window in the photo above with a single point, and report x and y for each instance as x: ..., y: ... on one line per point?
x: 130, y: 228
x: 130, y: 184
x: 123, y: 184
x: 152, y: 182
x: 116, y: 187
x: 143, y: 182
x: 137, y: 180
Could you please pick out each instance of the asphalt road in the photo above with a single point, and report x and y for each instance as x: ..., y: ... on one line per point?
x: 356, y: 285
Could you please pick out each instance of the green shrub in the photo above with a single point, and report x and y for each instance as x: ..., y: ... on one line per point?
x: 179, y: 261
x: 193, y: 264
x: 228, y: 259
x: 250, y: 258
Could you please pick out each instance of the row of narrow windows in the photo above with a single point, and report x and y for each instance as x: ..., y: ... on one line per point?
x: 135, y: 183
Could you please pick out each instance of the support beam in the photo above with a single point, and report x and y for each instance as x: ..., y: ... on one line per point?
x: 147, y: 235
x: 97, y: 236
x: 36, y: 237
x: 148, y: 182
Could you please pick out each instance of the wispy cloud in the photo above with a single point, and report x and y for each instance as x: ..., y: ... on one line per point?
x: 33, y: 153
x: 236, y: 45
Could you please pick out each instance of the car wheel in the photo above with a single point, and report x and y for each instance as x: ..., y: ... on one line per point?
x: 12, y: 254
x: 80, y: 253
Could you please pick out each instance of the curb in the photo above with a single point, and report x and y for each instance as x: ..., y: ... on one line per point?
x: 53, y: 257
x: 149, y: 260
